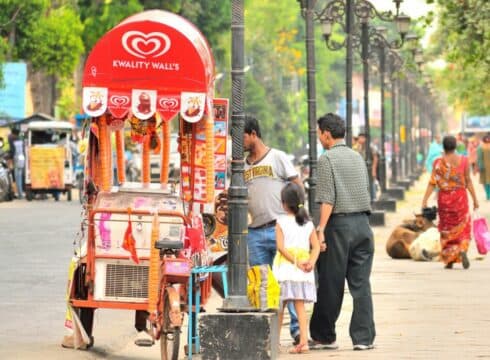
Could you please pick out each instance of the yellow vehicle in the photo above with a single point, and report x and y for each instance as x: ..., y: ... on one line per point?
x: 49, y: 167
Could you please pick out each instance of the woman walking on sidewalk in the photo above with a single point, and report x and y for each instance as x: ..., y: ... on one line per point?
x: 294, y: 261
x: 451, y: 175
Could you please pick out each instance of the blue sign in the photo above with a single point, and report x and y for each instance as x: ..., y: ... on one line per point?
x: 476, y: 124
x: 13, y: 94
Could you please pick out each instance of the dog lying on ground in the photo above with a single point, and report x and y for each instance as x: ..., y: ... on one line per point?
x: 398, y: 244
x: 426, y: 246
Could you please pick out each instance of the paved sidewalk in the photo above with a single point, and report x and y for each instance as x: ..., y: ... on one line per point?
x: 422, y: 311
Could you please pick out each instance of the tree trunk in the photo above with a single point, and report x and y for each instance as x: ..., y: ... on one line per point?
x: 54, y: 94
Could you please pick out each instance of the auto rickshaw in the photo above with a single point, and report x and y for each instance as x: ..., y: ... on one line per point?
x: 152, y: 72
x: 49, y: 161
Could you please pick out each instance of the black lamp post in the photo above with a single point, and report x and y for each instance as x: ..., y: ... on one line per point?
x: 338, y: 11
x: 423, y: 121
x: 307, y: 10
x: 238, y: 195
x: 406, y: 129
x: 378, y: 39
x: 363, y: 10
x: 409, y: 113
x: 395, y: 63
x: 370, y: 35
x: 334, y: 12
x: 431, y: 112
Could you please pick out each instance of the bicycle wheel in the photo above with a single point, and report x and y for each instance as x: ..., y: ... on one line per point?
x: 170, y: 335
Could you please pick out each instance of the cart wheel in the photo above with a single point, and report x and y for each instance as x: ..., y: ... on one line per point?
x: 29, y: 195
x: 170, y: 336
x: 68, y: 195
x: 209, y: 224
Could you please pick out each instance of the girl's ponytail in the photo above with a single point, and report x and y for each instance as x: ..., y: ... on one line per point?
x: 301, y: 215
x: 293, y: 197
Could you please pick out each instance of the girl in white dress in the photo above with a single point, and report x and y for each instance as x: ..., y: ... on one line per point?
x: 297, y: 252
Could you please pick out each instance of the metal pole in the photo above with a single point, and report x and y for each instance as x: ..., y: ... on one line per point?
x: 349, y: 28
x: 393, y: 131
x: 407, y: 130
x: 401, y: 122
x: 432, y: 124
x: 413, y: 143
x: 416, y: 140
x: 382, y: 159
x: 238, y: 194
x: 421, y: 124
x: 365, y: 73
x: 311, y: 88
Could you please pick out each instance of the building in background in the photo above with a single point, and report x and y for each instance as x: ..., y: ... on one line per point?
x: 13, y: 95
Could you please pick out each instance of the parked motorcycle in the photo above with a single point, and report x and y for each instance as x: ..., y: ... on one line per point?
x: 6, y: 179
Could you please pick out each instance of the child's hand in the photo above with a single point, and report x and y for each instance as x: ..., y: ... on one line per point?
x: 306, y: 266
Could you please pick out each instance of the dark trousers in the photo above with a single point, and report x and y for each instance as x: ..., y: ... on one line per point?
x: 349, y: 255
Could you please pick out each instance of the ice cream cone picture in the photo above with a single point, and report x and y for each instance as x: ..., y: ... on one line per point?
x: 192, y: 106
x: 94, y: 101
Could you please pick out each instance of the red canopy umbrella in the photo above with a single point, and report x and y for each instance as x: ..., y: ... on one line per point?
x: 152, y: 61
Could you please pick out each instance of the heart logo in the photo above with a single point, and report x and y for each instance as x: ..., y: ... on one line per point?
x: 118, y: 100
x: 143, y: 45
x: 168, y: 103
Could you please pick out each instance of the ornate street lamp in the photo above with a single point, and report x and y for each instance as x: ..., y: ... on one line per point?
x: 369, y: 36
x: 379, y: 42
x: 334, y: 12
x: 343, y: 12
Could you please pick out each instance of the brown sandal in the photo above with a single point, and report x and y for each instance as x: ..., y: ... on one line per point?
x: 299, y: 349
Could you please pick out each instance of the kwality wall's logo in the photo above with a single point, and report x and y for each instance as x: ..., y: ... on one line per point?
x: 141, y: 45
x: 147, y: 47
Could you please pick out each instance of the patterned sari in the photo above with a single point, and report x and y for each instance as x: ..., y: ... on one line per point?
x: 453, y: 208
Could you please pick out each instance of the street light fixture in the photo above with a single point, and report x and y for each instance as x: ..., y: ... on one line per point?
x: 411, y: 40
x: 327, y: 27
x: 418, y: 57
x: 377, y: 38
x: 402, y: 22
x: 344, y: 13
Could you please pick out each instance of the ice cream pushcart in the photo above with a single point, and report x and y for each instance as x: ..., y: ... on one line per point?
x: 151, y: 73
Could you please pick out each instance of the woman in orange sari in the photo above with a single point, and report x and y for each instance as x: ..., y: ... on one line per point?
x: 451, y: 175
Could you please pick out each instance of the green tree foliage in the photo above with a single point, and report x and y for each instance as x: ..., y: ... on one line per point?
x: 100, y: 16
x: 49, y: 38
x: 463, y: 40
x: 275, y: 53
x: 18, y: 19
x: 56, y: 43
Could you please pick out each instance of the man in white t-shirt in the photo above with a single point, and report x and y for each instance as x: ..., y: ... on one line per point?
x: 267, y: 170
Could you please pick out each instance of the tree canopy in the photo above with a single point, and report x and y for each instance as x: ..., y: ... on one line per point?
x: 462, y: 38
